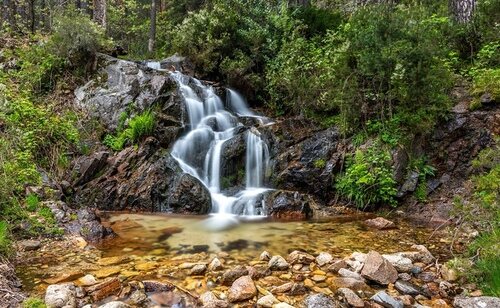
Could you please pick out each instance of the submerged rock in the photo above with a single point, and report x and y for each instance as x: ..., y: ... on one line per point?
x: 380, y: 223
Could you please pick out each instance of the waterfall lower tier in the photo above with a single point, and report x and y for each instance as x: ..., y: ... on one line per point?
x: 200, y: 151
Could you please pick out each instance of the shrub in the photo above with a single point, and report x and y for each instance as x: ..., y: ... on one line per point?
x: 368, y: 178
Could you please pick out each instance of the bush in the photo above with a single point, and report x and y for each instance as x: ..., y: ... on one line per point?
x: 368, y: 178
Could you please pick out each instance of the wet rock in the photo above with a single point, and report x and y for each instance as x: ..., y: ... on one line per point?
x: 28, y: 245
x: 265, y: 256
x: 476, y: 302
x: 107, y: 271
x: 138, y: 298
x: 350, y: 297
x: 60, y: 295
x: 86, y: 167
x: 282, y: 288
x: 215, y: 265
x: 301, y: 257
x: 157, y: 286
x: 242, y: 289
x: 278, y: 263
x: 324, y: 258
x: 405, y: 287
x: 380, y: 223
x: 402, y: 264
x: 208, y: 299
x: 231, y: 275
x: 267, y: 301
x: 115, y: 304
x: 65, y: 277
x: 198, y: 269
x: 88, y: 225
x: 350, y: 283
x: 108, y: 287
x: 319, y: 301
x: 379, y: 269
x: 289, y: 205
x: 384, y: 299
x: 410, y: 184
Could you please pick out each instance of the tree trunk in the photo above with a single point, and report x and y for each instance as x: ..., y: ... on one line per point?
x: 100, y: 12
x: 462, y: 10
x: 152, y: 28
x: 31, y: 4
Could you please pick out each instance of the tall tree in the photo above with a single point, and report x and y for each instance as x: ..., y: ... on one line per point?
x: 462, y: 10
x: 152, y: 27
x: 100, y: 12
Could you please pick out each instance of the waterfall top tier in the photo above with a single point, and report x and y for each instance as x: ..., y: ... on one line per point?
x: 200, y: 151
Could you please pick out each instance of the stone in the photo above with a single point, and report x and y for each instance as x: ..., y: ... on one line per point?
x: 231, y: 275
x: 208, y: 299
x: 380, y: 223
x: 108, y: 287
x: 404, y: 276
x: 282, y: 288
x: 86, y: 167
x: 242, y: 289
x: 384, y: 299
x: 300, y: 257
x: 157, y: 286
x: 289, y: 205
x: 29, y: 245
x: 350, y: 274
x: 324, y: 258
x: 278, y: 263
x: 318, y: 278
x: 319, y: 301
x: 358, y: 256
x: 265, y: 256
x: 215, y: 265
x: 168, y: 299
x: 107, y: 271
x: 267, y: 301
x: 406, y: 287
x: 427, y: 276
x: 448, y: 274
x: 351, y: 297
x: 350, y: 283
x: 379, y: 269
x: 138, y: 298
x: 112, y: 260
x: 61, y: 295
x: 298, y: 289
x: 198, y: 269
x: 402, y: 264
x: 476, y: 302
x: 337, y: 265
x: 115, y: 304
x: 421, y: 254
x: 65, y: 277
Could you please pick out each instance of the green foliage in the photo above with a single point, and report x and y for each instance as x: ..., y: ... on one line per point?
x: 138, y: 127
x: 424, y: 171
x: 368, y: 178
x: 34, y: 302
x: 5, y: 243
x: 76, y: 37
x: 486, y: 81
x: 32, y: 202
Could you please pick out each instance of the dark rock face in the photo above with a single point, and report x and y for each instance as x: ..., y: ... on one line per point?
x: 289, y: 205
x: 147, y: 179
x: 86, y: 167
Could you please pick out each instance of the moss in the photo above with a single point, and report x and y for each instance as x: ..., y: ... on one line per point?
x: 34, y: 302
x: 319, y: 163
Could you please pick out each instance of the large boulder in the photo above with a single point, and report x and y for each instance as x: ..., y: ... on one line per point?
x: 146, y: 179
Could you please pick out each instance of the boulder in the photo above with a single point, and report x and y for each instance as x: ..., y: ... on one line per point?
x: 380, y: 223
x: 242, y: 289
x: 86, y: 167
x: 379, y: 269
x: 476, y: 302
x: 60, y: 295
x: 289, y: 205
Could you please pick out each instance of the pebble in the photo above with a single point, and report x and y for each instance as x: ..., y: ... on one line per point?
x: 323, y: 258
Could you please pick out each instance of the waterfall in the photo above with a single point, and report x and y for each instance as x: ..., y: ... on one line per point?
x: 200, y: 151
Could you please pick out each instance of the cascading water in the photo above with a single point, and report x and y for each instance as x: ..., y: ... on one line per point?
x: 199, y: 152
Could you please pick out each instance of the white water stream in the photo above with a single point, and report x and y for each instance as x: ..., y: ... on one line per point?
x: 200, y: 151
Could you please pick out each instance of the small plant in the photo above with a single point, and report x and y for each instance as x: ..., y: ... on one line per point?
x: 368, y: 178
x: 34, y: 302
x: 32, y: 202
x: 319, y: 163
x: 424, y: 171
x: 5, y: 243
x: 139, y: 126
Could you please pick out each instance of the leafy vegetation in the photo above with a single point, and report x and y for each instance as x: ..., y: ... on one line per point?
x: 138, y: 127
x: 4, y: 238
x: 34, y: 302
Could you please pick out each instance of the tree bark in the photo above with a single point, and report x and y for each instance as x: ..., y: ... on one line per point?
x: 462, y: 10
x: 152, y: 27
x: 100, y: 12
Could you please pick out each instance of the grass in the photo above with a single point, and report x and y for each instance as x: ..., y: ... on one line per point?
x: 32, y: 202
x: 34, y: 302
x: 5, y: 242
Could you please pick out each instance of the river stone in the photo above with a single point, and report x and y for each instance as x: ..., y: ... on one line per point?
x: 60, y: 295
x: 157, y: 286
x: 319, y: 301
x: 108, y: 287
x: 422, y: 254
x: 402, y: 264
x: 198, y: 269
x: 209, y: 300
x: 87, y: 280
x: 350, y: 274
x: 300, y: 257
x: 379, y: 269
x: 231, y: 275
x: 278, y: 263
x: 138, y: 298
x: 384, y: 299
x: 380, y: 223
x: 265, y: 256
x: 298, y: 289
x: 115, y: 304
x: 267, y: 301
x: 350, y: 283
x: 215, y: 265
x: 406, y: 287
x: 350, y: 297
x: 476, y: 302
x: 324, y: 258
x: 282, y: 288
x: 337, y: 265
x: 242, y: 289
